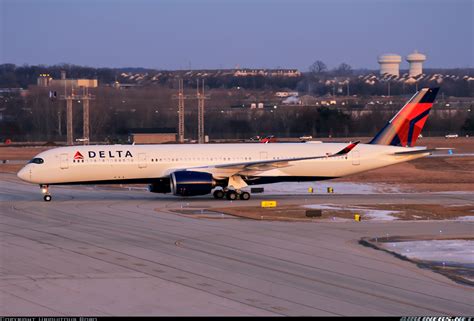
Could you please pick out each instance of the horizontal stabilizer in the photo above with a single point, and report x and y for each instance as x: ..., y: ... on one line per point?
x: 419, y: 151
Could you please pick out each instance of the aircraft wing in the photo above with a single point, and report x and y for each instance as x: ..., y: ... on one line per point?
x: 227, y: 170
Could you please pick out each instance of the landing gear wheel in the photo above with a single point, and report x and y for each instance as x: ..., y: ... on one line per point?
x: 44, y: 189
x: 245, y: 196
x: 231, y: 195
x: 219, y: 194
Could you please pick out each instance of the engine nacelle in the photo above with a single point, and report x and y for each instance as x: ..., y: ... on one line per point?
x: 188, y: 183
x: 161, y: 185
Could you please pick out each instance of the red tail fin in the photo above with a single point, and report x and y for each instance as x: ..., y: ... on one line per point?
x: 403, y: 129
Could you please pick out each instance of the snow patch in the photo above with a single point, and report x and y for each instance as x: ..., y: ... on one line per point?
x: 321, y: 188
x: 465, y: 218
x: 376, y: 215
x: 455, y: 251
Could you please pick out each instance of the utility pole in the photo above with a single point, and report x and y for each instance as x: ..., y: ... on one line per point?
x: 201, y: 97
x: 69, y: 130
x: 86, y: 98
x: 60, y: 131
x: 85, y: 116
x: 181, y: 111
x: 181, y: 98
x: 52, y: 98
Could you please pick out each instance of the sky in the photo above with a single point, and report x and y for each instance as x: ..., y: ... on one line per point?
x: 210, y: 34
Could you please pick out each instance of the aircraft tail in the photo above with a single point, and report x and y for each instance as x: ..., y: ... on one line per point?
x: 403, y: 129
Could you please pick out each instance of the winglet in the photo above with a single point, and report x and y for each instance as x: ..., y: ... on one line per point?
x: 347, y: 149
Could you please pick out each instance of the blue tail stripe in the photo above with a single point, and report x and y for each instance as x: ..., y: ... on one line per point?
x: 396, y: 141
x: 413, y: 122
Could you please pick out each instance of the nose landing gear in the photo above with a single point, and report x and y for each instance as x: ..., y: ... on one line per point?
x: 44, y: 189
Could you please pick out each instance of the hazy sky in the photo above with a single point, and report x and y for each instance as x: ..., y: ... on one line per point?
x: 176, y: 34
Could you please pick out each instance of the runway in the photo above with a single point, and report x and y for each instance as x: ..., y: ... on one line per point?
x: 117, y: 252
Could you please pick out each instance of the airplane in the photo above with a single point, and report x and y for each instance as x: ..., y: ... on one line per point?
x: 191, y: 170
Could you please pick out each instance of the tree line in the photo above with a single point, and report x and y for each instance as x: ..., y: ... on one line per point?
x: 36, y: 117
x: 319, y: 80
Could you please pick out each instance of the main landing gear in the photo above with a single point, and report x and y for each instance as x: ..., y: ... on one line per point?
x: 231, y: 195
x: 44, y: 189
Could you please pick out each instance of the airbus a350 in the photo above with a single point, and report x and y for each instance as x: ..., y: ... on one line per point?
x: 226, y: 169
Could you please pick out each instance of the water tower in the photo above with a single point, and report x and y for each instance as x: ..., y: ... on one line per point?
x: 390, y: 64
x: 415, y: 60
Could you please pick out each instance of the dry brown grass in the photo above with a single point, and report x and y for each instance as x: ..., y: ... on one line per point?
x: 20, y: 153
x: 434, y: 174
x: 297, y: 213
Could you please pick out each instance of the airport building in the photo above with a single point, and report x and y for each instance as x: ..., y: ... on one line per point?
x: 45, y: 80
x: 152, y: 135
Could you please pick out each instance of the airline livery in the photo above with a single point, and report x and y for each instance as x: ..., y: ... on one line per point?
x: 189, y: 170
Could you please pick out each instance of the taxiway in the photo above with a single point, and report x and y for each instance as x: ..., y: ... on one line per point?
x: 103, y: 251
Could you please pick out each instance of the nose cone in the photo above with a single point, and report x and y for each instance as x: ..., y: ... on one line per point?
x: 24, y: 174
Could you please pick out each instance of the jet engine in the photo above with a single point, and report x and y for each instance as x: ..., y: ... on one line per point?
x: 161, y: 185
x: 188, y: 183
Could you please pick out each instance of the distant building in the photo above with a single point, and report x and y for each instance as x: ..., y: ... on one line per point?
x: 118, y: 85
x: 152, y: 135
x: 267, y: 72
x: 249, y: 72
x: 16, y: 90
x: 308, y: 100
x: 284, y: 73
x: 415, y: 60
x: 390, y: 64
x: 45, y: 80
x: 284, y: 94
x: 89, y: 83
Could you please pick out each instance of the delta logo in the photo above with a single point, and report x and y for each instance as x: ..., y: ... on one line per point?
x: 110, y: 154
x: 78, y: 155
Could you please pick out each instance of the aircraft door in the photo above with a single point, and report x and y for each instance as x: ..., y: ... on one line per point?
x: 142, y: 160
x: 355, y: 157
x: 64, y: 161
x: 263, y: 155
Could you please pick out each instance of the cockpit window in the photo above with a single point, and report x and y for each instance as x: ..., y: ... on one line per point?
x: 36, y: 161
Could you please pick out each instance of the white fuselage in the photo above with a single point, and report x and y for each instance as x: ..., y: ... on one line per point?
x: 107, y: 163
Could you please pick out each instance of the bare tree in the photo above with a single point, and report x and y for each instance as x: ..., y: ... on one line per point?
x: 344, y: 70
x: 318, y: 67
